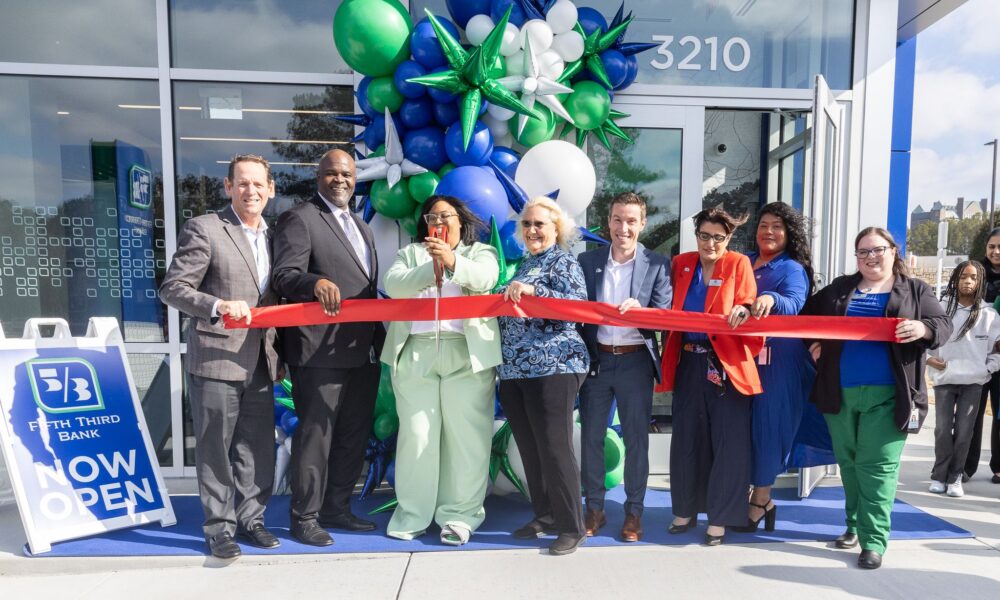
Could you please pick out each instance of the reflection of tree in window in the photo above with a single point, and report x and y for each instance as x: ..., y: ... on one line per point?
x: 621, y: 169
x: 745, y: 199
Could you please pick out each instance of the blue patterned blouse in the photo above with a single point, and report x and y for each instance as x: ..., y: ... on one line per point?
x: 539, y: 347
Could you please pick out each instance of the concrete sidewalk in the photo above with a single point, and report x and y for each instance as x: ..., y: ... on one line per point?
x: 912, y: 569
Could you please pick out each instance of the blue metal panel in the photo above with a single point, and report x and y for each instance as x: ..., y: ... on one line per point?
x: 902, y: 112
x: 899, y: 196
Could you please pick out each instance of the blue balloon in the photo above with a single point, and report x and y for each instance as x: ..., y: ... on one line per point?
x: 479, y: 188
x: 416, y: 113
x: 374, y: 134
x: 279, y: 409
x: 463, y: 10
x: 407, y: 70
x: 289, y: 421
x: 506, y: 159
x: 480, y: 145
x: 446, y: 113
x: 424, y: 45
x: 362, y: 96
x: 499, y: 7
x: 440, y: 95
x: 633, y: 71
x: 591, y: 19
x: 426, y: 148
x: 616, y: 66
x: 508, y: 239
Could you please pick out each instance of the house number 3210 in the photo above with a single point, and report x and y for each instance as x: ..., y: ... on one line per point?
x: 691, y: 46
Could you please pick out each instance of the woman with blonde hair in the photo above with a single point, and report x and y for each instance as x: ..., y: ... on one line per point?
x: 544, y: 364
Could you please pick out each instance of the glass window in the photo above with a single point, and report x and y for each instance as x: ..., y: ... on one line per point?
x: 266, y: 35
x: 81, y: 207
x: 96, y: 32
x: 151, y: 373
x: 733, y: 43
x: 732, y: 168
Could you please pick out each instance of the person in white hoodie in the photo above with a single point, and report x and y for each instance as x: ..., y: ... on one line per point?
x: 958, y: 371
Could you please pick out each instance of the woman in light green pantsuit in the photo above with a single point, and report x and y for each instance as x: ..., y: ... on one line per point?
x: 444, y: 393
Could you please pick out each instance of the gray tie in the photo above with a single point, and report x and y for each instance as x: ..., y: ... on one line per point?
x: 352, y: 236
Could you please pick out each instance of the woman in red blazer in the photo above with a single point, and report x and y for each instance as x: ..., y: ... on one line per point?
x: 712, y: 377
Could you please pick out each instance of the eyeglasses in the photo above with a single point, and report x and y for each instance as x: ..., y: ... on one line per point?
x: 717, y: 238
x: 877, y: 252
x: 434, y: 218
x: 535, y: 224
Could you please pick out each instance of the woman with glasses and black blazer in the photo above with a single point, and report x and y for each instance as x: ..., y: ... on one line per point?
x: 713, y: 378
x: 873, y: 393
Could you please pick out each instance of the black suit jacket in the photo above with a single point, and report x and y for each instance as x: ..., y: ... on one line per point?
x: 650, y: 286
x: 309, y: 245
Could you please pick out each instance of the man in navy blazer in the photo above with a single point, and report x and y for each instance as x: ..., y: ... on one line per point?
x: 624, y: 362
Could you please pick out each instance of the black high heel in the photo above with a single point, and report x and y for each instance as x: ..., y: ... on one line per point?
x: 675, y: 529
x: 769, y: 517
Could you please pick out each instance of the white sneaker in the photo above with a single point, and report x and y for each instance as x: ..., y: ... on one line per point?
x: 937, y: 487
x: 955, y: 489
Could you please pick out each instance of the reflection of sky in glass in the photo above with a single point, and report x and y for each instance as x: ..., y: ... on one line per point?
x: 92, y: 32
x: 264, y: 35
x: 789, y: 41
x: 651, y: 166
x: 263, y: 120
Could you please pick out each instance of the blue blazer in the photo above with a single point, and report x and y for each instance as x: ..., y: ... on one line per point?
x: 650, y: 286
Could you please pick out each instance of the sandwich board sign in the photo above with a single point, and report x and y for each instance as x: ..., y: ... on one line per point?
x: 73, y: 435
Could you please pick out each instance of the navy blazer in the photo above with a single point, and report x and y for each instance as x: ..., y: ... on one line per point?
x: 650, y: 286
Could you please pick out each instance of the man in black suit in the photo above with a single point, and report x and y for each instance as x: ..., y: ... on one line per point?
x: 324, y: 253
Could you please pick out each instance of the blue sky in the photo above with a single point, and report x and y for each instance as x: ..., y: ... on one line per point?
x: 956, y: 105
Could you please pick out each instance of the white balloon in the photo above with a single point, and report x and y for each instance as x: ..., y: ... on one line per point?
x: 515, y: 63
x: 496, y: 126
x: 507, y: 139
x: 511, y: 40
x: 562, y: 16
x: 568, y: 45
x: 558, y: 165
x: 504, y: 486
x: 540, y: 34
x: 498, y: 112
x: 478, y: 29
x: 551, y: 64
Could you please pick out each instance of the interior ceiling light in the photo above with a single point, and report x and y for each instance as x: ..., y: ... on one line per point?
x: 293, y: 164
x: 261, y: 140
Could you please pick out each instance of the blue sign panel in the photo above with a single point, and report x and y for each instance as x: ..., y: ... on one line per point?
x: 140, y: 192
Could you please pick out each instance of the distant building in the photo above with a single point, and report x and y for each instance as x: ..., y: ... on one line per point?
x: 962, y: 209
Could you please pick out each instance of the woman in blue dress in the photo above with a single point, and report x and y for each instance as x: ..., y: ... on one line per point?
x: 783, y: 269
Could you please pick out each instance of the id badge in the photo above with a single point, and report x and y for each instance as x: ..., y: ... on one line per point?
x: 714, y: 283
x: 713, y: 375
x: 914, y: 425
x: 764, y: 358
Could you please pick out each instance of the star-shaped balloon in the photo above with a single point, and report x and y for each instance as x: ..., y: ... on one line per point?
x: 378, y: 453
x: 607, y: 127
x: 392, y: 166
x: 500, y: 461
x: 473, y: 75
x: 535, y: 86
x: 593, y: 45
x: 628, y: 49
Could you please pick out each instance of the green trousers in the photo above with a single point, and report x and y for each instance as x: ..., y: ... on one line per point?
x: 445, y: 432
x: 868, y: 446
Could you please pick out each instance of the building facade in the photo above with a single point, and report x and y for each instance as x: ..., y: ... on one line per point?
x: 118, y: 118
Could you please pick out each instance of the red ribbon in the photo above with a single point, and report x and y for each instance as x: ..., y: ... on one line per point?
x: 577, y: 311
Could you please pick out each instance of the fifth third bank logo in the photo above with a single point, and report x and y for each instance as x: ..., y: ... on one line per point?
x: 62, y: 385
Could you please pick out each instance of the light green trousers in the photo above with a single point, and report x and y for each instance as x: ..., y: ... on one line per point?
x: 868, y: 447
x: 445, y: 432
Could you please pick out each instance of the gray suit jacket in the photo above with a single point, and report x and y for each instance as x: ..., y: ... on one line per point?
x: 309, y: 245
x: 650, y: 286
x: 214, y: 261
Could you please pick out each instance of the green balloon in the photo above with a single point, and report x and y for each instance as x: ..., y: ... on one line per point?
x: 448, y: 168
x: 409, y: 225
x: 394, y: 203
x: 385, y: 399
x: 385, y: 425
x: 589, y: 105
x: 535, y: 131
x: 382, y: 94
x: 614, y: 460
x: 423, y: 185
x: 372, y: 36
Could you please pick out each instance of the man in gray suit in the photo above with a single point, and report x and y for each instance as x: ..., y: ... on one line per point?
x: 222, y: 267
x: 624, y: 362
x: 324, y: 252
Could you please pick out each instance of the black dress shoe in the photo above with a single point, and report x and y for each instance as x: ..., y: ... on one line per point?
x: 566, y: 544
x: 347, y: 522
x: 533, y: 530
x: 258, y: 536
x: 846, y: 540
x: 222, y: 546
x: 869, y: 559
x: 310, y: 533
x: 675, y: 529
x: 714, y: 540
x: 995, y: 478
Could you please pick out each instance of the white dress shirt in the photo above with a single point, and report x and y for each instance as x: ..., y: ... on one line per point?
x: 616, y: 286
x: 351, y: 231
x: 449, y: 289
x: 257, y: 238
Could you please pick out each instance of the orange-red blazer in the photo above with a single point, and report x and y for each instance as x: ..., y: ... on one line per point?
x: 735, y: 352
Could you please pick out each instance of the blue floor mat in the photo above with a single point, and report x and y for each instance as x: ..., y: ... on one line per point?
x: 817, y: 518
